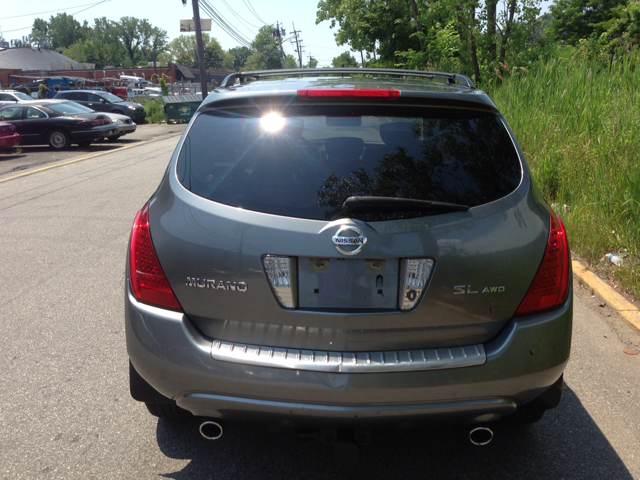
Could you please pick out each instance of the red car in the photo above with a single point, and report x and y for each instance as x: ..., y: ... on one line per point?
x: 9, y: 137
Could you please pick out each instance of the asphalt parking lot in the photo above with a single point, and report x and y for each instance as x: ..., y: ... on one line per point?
x: 30, y: 158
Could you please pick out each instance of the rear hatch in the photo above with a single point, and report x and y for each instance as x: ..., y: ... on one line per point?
x: 258, y: 231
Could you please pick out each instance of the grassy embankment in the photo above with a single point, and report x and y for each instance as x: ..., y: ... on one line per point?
x: 578, y: 123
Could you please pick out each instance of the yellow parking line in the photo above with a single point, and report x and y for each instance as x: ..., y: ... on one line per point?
x: 625, y: 309
x: 30, y: 172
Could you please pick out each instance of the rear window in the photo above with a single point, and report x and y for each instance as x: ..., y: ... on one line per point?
x: 68, y: 108
x: 22, y: 96
x: 306, y: 165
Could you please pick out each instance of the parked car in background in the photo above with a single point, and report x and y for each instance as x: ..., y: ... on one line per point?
x: 9, y: 136
x: 348, y: 251
x: 57, y: 123
x: 125, y: 125
x: 104, y: 102
x: 11, y: 96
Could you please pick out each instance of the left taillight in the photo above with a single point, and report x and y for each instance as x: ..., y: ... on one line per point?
x: 549, y: 287
x: 148, y: 281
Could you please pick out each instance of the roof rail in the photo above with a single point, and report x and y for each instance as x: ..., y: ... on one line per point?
x: 452, y: 78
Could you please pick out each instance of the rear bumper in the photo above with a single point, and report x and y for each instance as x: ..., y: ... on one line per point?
x: 125, y: 128
x: 527, y: 357
x: 93, y: 134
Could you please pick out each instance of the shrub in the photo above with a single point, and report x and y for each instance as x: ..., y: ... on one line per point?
x: 153, y: 108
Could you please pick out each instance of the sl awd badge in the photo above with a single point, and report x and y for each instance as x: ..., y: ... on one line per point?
x: 349, y: 240
x: 466, y: 289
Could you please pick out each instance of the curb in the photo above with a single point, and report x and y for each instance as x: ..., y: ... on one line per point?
x: 625, y: 309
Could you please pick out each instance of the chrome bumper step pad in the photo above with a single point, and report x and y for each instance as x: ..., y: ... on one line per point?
x: 349, y: 362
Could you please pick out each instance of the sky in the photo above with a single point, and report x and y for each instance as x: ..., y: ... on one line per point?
x: 16, y: 19
x: 245, y: 16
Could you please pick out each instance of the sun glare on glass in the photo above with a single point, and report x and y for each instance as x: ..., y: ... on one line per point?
x: 272, y: 122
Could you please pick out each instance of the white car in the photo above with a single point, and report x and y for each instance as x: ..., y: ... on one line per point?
x: 11, y: 96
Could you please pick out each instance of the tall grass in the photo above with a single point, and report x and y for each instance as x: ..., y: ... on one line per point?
x: 578, y: 123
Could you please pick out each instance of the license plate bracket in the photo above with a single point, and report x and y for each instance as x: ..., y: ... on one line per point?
x: 346, y: 283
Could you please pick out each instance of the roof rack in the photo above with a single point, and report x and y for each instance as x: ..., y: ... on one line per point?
x: 452, y: 78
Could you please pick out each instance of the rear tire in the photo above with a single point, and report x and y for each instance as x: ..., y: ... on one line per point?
x: 169, y: 411
x: 59, y: 139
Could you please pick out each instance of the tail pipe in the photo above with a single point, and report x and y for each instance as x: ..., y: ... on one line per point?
x: 481, y: 436
x: 211, y: 430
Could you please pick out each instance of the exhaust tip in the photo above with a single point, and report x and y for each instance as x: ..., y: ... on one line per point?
x: 481, y: 436
x: 211, y: 430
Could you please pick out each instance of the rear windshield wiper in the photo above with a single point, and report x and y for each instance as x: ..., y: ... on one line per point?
x: 394, y: 204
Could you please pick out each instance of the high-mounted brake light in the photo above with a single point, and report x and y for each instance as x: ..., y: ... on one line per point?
x: 148, y: 281
x: 549, y: 287
x: 348, y: 93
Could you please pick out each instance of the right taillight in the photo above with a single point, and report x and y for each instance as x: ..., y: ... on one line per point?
x: 148, y: 281
x: 549, y: 287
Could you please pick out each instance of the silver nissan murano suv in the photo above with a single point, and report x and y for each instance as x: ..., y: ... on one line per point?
x: 348, y: 247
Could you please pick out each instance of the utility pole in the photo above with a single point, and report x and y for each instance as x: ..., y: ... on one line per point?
x: 279, y: 34
x: 203, y: 70
x: 298, y: 49
x: 155, y: 65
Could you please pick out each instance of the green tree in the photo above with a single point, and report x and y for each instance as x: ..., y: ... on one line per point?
x: 40, y: 33
x: 157, y: 43
x: 102, y: 46
x: 622, y: 32
x: 266, y: 52
x: 574, y: 20
x: 344, y: 60
x: 313, y: 63
x: 64, y: 31
x: 382, y: 26
x: 135, y: 35
x: 240, y: 57
x: 182, y: 50
x: 467, y: 36
x: 290, y: 61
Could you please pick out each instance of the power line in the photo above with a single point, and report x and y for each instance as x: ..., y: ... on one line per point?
x: 238, y: 16
x: 253, y: 10
x: 222, y: 23
x: 71, y: 14
x: 48, y: 11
